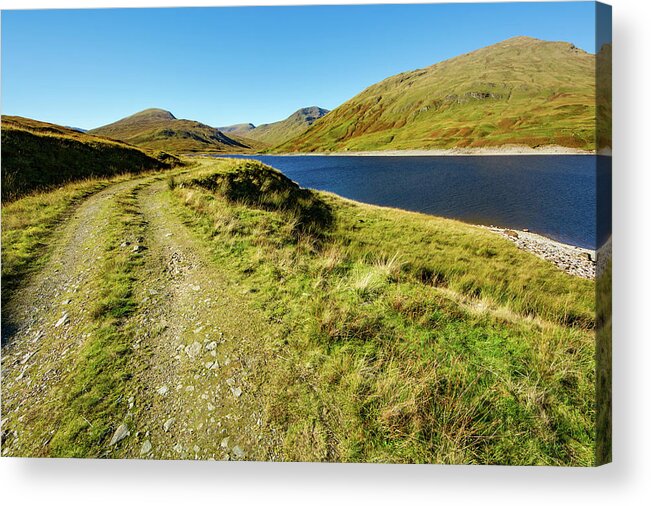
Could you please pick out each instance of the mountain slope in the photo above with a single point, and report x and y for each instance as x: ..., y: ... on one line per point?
x: 159, y: 129
x: 519, y: 91
x: 279, y: 131
x: 38, y: 155
x: 239, y: 129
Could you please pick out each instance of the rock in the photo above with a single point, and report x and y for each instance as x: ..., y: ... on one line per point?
x: 162, y: 390
x: 168, y: 424
x: 225, y: 442
x: 131, y: 401
x: 585, y: 256
x: 237, y: 391
x: 211, y: 345
x: 238, y: 452
x: 66, y: 302
x: 146, y: 448
x: 137, y: 248
x: 193, y: 350
x: 195, y: 288
x: 525, y: 230
x: 125, y: 244
x: 121, y: 432
x: 63, y: 320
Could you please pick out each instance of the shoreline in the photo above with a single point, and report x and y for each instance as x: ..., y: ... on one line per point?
x: 574, y: 260
x: 487, y: 151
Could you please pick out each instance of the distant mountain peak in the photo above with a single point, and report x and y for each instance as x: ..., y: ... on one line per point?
x: 154, y: 113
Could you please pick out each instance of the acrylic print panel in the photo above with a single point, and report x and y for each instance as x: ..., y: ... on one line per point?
x: 385, y: 240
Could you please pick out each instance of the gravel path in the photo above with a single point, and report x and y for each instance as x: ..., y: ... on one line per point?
x: 203, y: 349
x: 45, y: 321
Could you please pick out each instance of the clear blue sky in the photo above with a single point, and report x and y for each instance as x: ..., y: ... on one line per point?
x: 221, y: 66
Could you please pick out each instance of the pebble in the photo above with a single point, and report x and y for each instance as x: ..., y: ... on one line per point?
x: 193, y: 350
x: 211, y: 345
x: 146, y: 448
x: 162, y: 390
x: 237, y: 391
x: 225, y: 442
x: 121, y: 432
x: 168, y: 424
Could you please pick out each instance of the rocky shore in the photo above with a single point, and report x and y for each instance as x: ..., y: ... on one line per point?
x: 507, y: 149
x: 571, y: 259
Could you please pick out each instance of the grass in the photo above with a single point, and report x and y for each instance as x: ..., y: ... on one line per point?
x: 404, y: 338
x: 521, y: 91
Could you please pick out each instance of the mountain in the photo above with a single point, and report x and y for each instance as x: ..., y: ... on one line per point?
x: 160, y: 129
x: 239, y: 129
x: 520, y: 91
x: 38, y: 155
x: 272, y: 134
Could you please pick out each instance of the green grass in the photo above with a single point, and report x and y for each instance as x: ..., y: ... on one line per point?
x: 404, y: 338
x: 38, y: 156
x: 521, y: 91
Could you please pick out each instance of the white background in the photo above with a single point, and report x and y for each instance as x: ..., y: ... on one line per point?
x: 627, y: 481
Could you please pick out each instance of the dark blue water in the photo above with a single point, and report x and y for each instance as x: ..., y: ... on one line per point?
x: 552, y: 195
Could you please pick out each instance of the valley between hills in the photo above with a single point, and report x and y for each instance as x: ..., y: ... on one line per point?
x: 162, y: 304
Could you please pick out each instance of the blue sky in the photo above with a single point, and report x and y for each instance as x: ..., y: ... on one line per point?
x: 221, y: 66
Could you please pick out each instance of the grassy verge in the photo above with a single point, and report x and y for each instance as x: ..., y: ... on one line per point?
x: 406, y: 338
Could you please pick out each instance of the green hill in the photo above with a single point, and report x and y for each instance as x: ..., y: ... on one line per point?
x: 278, y: 132
x: 159, y: 129
x: 520, y: 91
x: 38, y: 155
x: 239, y: 129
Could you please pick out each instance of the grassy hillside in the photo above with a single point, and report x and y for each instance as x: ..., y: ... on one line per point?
x: 401, y: 337
x: 159, y: 129
x: 37, y: 156
x: 272, y: 134
x: 240, y: 129
x: 520, y: 91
